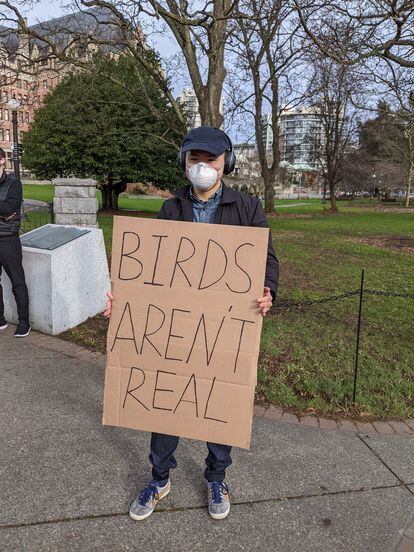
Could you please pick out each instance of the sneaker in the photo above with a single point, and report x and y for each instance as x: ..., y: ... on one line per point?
x: 23, y: 329
x: 3, y: 323
x: 144, y: 504
x: 218, y: 499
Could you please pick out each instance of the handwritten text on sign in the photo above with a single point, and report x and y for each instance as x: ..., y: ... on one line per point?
x: 185, y: 329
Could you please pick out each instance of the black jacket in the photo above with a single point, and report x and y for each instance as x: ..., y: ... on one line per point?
x: 10, y: 203
x: 235, y: 208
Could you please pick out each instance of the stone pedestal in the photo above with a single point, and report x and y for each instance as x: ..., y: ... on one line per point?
x: 75, y: 201
x: 67, y: 280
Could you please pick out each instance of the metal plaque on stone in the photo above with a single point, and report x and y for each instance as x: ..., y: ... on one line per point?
x: 51, y: 237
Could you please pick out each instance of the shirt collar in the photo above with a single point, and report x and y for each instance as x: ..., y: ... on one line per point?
x: 213, y: 199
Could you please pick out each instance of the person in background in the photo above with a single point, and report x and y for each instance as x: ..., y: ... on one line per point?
x: 11, y: 197
x: 206, y: 154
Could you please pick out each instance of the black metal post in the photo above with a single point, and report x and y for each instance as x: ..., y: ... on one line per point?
x: 52, y: 213
x: 361, y: 297
x: 16, y: 162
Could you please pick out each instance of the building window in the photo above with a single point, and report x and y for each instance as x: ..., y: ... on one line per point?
x: 45, y: 85
x: 26, y: 118
x: 7, y: 135
x: 6, y: 115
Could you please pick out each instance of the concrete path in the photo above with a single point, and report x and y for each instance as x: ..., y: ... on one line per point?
x: 291, y: 205
x: 67, y: 481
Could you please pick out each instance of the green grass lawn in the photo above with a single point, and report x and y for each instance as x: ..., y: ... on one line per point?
x: 307, y: 354
x: 140, y: 203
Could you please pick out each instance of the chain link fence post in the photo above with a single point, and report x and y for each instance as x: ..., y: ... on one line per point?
x: 361, y: 298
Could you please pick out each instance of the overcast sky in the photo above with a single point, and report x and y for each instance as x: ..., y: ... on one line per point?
x: 164, y: 44
x: 44, y: 10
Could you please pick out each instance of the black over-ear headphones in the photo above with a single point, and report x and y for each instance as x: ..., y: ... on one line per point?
x: 229, y: 156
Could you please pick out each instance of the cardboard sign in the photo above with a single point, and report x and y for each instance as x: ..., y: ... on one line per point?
x: 184, y: 334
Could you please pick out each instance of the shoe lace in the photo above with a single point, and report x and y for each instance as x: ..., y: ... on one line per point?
x: 218, y: 488
x: 147, y: 494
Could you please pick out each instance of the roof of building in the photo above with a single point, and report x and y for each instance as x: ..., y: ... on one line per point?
x: 96, y: 22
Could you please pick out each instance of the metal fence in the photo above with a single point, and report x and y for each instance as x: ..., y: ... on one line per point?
x: 36, y: 214
x: 361, y: 292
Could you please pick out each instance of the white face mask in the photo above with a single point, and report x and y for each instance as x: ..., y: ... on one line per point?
x: 202, y: 176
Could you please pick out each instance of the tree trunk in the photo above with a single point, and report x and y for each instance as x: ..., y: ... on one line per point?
x: 106, y: 197
x: 110, y: 193
x: 409, y: 183
x: 269, y: 186
x: 114, y: 199
x: 334, y: 208
x: 117, y: 188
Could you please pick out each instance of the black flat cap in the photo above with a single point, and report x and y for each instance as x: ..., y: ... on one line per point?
x: 206, y: 138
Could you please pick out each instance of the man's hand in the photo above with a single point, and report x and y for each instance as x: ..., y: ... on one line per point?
x: 265, y: 302
x: 108, y: 311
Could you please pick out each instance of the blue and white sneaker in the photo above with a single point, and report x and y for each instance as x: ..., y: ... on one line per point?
x: 144, y: 504
x: 3, y: 323
x: 218, y: 499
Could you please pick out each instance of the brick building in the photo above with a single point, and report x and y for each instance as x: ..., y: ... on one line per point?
x: 28, y: 71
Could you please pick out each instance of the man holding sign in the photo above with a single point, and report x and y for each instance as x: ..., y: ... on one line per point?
x: 212, y: 279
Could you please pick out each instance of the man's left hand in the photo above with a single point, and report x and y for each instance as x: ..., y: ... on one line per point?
x: 265, y: 302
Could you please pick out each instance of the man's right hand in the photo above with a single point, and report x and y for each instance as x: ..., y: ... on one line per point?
x: 108, y: 311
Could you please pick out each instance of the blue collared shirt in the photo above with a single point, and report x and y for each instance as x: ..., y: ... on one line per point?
x: 204, y: 211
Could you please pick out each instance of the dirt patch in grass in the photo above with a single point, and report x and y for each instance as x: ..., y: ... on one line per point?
x: 127, y: 213
x: 91, y: 333
x: 388, y: 209
x: 403, y: 244
x: 293, y: 279
x: 274, y: 363
x: 290, y: 234
x: 279, y: 215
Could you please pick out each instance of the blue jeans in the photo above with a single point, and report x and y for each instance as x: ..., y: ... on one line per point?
x: 162, y: 458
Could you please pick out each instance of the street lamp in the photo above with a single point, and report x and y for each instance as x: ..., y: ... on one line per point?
x: 14, y: 105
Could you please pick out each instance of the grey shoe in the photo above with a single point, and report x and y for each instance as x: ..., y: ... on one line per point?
x: 218, y: 499
x: 144, y: 504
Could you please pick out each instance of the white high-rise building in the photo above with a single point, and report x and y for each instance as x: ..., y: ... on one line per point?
x: 267, y: 131
x: 301, y: 137
x: 189, y: 101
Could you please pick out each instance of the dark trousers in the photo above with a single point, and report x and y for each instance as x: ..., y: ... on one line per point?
x: 11, y: 263
x: 162, y: 458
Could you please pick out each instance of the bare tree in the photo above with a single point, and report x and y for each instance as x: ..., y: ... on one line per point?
x: 264, y: 49
x: 358, y: 173
x: 199, y: 29
x: 389, y: 139
x: 382, y: 29
x: 68, y: 43
x: 332, y: 88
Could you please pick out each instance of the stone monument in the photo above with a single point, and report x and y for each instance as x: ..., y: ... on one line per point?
x: 75, y: 201
x: 67, y: 276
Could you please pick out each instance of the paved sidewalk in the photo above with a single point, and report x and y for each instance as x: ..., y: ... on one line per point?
x: 291, y: 205
x: 67, y: 481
